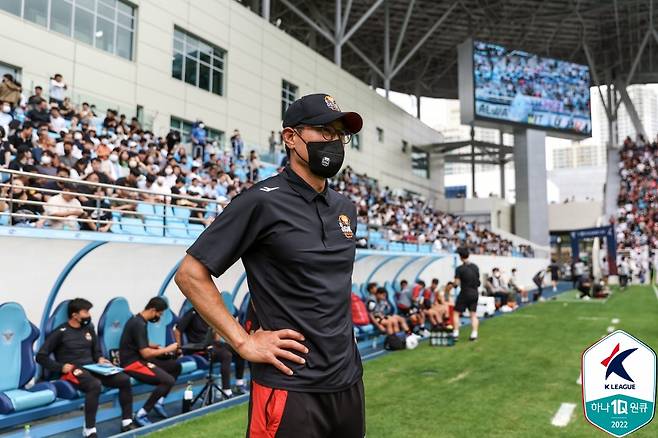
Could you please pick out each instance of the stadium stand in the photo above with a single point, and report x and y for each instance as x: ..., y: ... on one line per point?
x: 142, y: 171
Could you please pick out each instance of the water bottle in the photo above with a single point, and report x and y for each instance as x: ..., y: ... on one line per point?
x: 26, y: 432
x: 188, y: 395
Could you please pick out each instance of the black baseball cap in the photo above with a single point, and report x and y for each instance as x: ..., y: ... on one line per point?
x: 320, y: 109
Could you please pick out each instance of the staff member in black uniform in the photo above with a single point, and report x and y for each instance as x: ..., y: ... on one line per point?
x: 196, y: 329
x: 295, y: 236
x: 74, y: 344
x: 467, y: 276
x: 148, y: 363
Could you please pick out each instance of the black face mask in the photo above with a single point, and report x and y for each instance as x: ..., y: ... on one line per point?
x: 84, y: 322
x: 154, y: 319
x: 324, y: 157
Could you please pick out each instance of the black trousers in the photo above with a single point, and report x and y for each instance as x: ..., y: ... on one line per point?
x: 90, y: 384
x: 161, y: 373
x: 224, y: 354
x: 279, y: 413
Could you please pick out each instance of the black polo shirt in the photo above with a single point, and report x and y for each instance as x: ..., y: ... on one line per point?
x: 133, y: 339
x: 77, y: 346
x: 193, y: 326
x: 469, y: 277
x: 297, y: 247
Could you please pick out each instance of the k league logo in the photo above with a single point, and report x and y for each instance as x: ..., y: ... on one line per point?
x: 619, y: 384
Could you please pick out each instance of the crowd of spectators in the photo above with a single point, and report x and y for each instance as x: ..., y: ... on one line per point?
x: 407, y: 218
x: 54, y: 137
x: 637, y: 214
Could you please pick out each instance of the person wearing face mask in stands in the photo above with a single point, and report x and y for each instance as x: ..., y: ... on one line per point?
x: 151, y: 364
x: 71, y: 346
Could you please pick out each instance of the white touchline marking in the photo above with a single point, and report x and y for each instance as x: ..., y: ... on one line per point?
x: 615, y: 320
x: 580, y: 379
x: 563, y: 415
x: 611, y: 329
x: 590, y: 318
x: 458, y: 377
x: 655, y: 290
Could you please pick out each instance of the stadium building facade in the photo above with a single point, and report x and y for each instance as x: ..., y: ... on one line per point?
x: 172, y: 63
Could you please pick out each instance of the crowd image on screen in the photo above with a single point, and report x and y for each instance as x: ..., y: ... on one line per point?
x: 557, y: 86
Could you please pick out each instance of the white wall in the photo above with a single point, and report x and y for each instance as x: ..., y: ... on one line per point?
x: 259, y: 57
x: 574, y: 215
x: 29, y: 267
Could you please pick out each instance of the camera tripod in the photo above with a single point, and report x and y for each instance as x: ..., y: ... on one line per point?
x: 206, y: 395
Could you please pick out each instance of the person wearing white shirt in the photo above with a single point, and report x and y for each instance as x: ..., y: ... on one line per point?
x: 57, y: 89
x: 65, y: 209
x: 57, y: 122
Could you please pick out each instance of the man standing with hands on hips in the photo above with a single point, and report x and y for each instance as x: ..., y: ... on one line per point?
x: 295, y: 236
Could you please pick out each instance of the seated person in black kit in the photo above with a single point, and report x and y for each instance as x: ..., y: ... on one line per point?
x: 591, y: 289
x: 196, y: 329
x: 147, y: 363
x: 74, y: 344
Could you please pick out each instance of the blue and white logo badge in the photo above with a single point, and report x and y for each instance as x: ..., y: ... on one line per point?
x: 619, y: 384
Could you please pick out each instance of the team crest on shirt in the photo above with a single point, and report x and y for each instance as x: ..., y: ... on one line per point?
x: 77, y: 372
x: 88, y: 336
x: 344, y: 224
x: 150, y: 365
x: 331, y: 103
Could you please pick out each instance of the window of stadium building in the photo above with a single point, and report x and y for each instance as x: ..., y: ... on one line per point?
x: 184, y: 127
x: 198, y: 62
x: 288, y: 96
x: 355, y: 143
x: 420, y: 163
x: 108, y: 25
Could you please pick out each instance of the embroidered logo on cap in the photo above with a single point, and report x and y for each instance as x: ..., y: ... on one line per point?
x: 344, y: 224
x: 331, y: 103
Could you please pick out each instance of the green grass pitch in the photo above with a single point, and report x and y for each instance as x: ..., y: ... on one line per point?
x: 510, y: 383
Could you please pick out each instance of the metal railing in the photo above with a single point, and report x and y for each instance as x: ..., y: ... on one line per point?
x: 165, y: 215
x: 171, y: 214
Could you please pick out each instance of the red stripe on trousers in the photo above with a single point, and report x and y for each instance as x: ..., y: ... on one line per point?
x: 267, y: 405
x: 139, y: 367
x: 71, y: 378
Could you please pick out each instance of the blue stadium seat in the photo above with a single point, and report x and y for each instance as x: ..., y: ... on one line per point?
x: 153, y: 225
x: 158, y: 209
x: 110, y: 326
x: 145, y: 209
x: 4, y: 219
x: 18, y: 365
x: 176, y: 227
x: 133, y: 225
x: 185, y: 307
x: 390, y: 294
x: 228, y: 302
x: 59, y: 316
x: 116, y: 225
x: 194, y: 230
x: 65, y: 389
x: 182, y: 213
